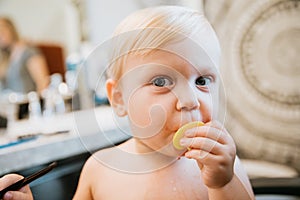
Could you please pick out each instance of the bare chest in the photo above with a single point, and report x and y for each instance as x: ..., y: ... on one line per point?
x: 164, y: 184
x: 174, y: 188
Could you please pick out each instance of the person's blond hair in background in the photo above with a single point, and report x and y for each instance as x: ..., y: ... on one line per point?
x: 22, y: 67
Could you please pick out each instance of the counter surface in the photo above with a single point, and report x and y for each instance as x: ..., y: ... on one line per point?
x: 60, y: 137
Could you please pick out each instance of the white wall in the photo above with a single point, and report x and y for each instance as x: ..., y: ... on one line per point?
x: 44, y: 20
x: 104, y: 15
x: 57, y: 20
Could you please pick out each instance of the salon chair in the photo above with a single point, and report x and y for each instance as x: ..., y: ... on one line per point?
x: 54, y: 55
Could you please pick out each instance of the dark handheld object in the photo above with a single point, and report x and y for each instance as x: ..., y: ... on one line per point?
x: 3, y: 122
x: 24, y: 181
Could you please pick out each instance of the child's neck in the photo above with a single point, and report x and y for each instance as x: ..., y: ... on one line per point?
x: 140, y: 147
x: 146, y: 154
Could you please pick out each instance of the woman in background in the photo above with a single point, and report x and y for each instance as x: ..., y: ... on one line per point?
x: 22, y: 67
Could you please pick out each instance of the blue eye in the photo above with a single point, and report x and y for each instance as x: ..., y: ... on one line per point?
x: 203, y: 81
x: 161, y: 82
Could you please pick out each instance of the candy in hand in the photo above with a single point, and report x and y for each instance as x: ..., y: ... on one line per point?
x: 180, y: 132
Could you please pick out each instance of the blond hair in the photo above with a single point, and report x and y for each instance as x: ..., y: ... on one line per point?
x: 149, y: 29
x: 4, y: 53
x: 11, y: 27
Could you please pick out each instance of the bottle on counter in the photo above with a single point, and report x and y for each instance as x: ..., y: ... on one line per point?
x: 34, y: 106
x: 53, y: 99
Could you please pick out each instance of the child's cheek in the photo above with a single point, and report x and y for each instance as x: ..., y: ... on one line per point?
x: 208, y: 107
x: 214, y: 103
x: 146, y: 120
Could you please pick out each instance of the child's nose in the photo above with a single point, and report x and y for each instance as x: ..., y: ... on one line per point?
x: 187, y: 100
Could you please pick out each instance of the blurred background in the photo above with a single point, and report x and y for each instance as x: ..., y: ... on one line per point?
x: 260, y: 71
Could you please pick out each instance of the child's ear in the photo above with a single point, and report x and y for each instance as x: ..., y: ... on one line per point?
x: 115, y: 97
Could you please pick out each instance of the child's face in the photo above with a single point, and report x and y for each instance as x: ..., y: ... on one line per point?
x: 162, y: 91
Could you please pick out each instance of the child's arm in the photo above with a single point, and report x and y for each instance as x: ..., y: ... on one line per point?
x: 238, y: 188
x: 24, y: 193
x: 84, y: 185
x: 215, y: 152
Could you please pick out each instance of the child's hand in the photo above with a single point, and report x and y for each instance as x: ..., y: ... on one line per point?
x: 214, y: 150
x: 24, y: 193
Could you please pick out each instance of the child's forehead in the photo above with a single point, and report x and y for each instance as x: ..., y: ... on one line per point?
x: 165, y: 61
x: 184, y: 53
x: 198, y: 51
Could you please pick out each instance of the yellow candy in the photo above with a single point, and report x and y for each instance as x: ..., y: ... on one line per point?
x: 180, y: 132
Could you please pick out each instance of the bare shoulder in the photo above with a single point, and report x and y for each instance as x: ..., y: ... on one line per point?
x: 104, y: 160
x: 91, y: 176
x: 96, y: 165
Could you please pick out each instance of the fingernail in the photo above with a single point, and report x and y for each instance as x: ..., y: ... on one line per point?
x: 7, y: 196
x: 188, y: 133
x: 183, y: 142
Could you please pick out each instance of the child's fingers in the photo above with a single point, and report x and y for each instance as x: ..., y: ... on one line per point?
x: 206, y: 131
x: 212, y: 130
x: 203, y: 157
x: 202, y: 143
